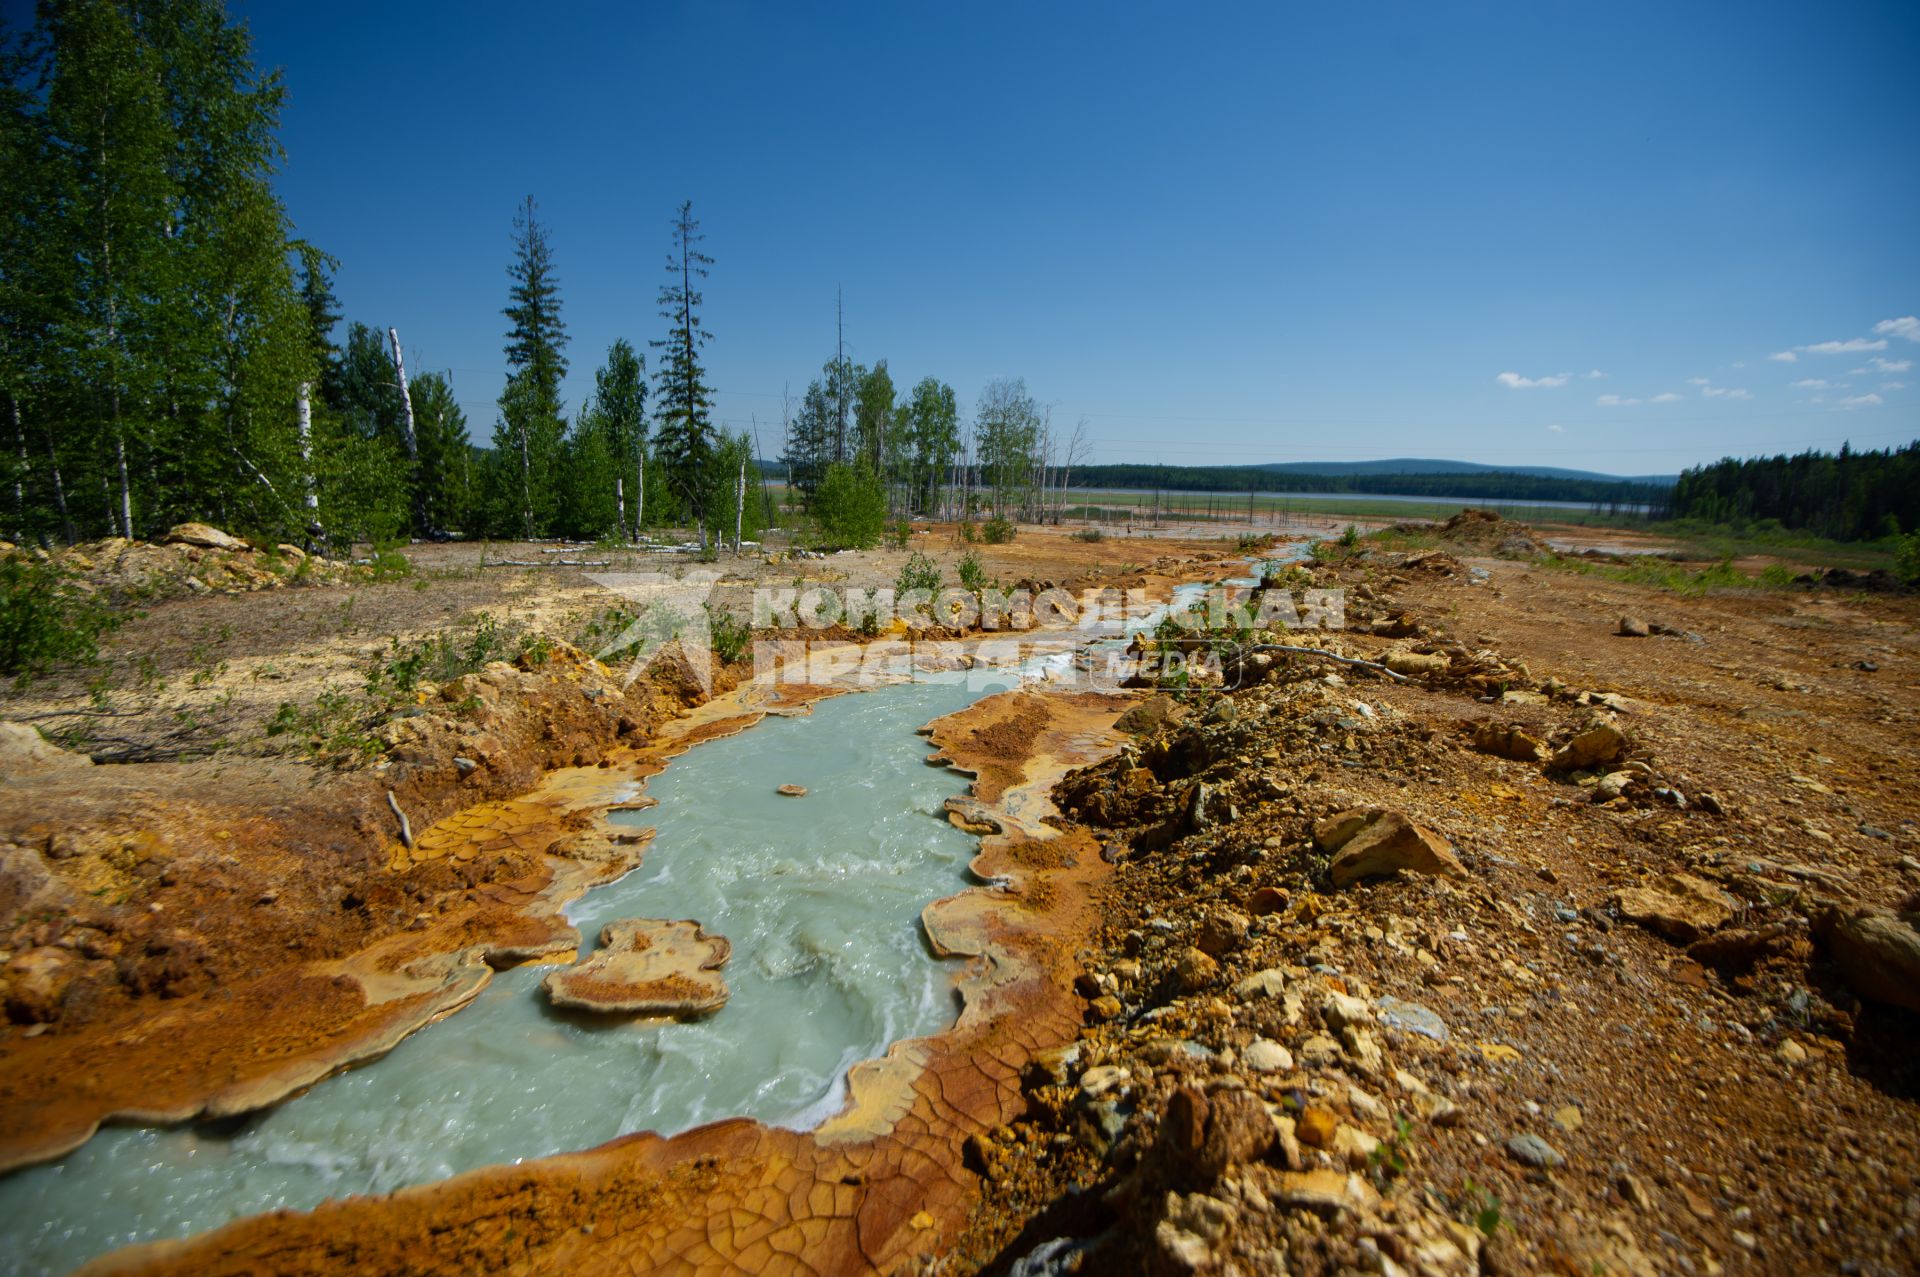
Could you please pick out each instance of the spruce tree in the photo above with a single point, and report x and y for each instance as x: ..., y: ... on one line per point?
x: 683, y: 402
x: 531, y: 428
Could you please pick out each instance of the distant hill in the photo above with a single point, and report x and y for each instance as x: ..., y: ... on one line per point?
x: 1420, y: 465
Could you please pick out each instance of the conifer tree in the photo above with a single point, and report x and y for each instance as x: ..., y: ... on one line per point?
x: 683, y: 402
x: 530, y: 430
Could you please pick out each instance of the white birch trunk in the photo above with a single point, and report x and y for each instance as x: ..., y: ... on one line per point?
x: 126, y: 486
x: 620, y: 499
x: 739, y: 504
x: 311, y: 496
x: 406, y: 397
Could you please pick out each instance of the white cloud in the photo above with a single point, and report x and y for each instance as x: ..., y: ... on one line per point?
x: 1907, y: 326
x: 1813, y: 383
x: 1614, y: 401
x: 1851, y: 346
x: 1595, y: 375
x: 1725, y: 392
x: 1556, y: 430
x: 1699, y: 381
x: 1514, y: 381
x: 1891, y: 365
x: 1666, y: 397
x: 1861, y: 401
x: 1893, y: 385
x: 1784, y: 356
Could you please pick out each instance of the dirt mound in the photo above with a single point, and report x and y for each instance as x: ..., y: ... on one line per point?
x: 192, y: 559
x: 1482, y: 532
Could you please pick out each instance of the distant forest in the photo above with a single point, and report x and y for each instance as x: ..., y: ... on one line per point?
x: 1853, y: 496
x: 1497, y: 485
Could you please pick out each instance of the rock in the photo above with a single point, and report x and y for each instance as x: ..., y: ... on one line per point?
x: 1531, y: 1150
x: 1106, y: 1007
x: 1196, y: 970
x: 791, y: 791
x: 36, y: 981
x: 1679, y: 906
x: 1223, y: 932
x: 1264, y: 1055
x: 465, y: 766
x: 1412, y: 1017
x: 1343, y: 1009
x: 1506, y: 741
x: 24, y: 751
x: 1325, y: 1190
x: 1634, y: 627
x: 200, y: 534
x: 1414, y: 664
x: 1569, y: 1118
x: 1612, y: 785
x: 1194, y: 1225
x: 1602, y: 743
x: 1373, y: 843
x: 1877, y: 950
x: 647, y: 967
x: 1100, y: 1079
x: 1792, y: 1052
x: 1151, y: 716
x: 1266, y: 900
x: 1315, y: 1126
x: 1270, y: 983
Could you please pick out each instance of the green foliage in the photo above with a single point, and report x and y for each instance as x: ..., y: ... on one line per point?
x: 849, y: 509
x: 335, y: 726
x: 997, y: 530
x: 1665, y: 574
x: 683, y: 402
x: 1849, y: 496
x: 155, y: 335
x: 973, y: 573
x: 918, y: 573
x: 728, y: 633
x: 46, y: 621
x: 1007, y: 428
x: 389, y: 564
x: 1089, y: 534
x: 1390, y: 1158
x: 1906, y: 559
x: 1350, y: 537
x: 899, y: 534
x: 1479, y: 1207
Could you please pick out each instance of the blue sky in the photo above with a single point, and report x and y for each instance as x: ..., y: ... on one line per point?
x: 1219, y: 233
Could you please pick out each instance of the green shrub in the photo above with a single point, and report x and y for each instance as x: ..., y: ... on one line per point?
x: 46, y: 620
x: 997, y: 531
x: 920, y: 573
x: 1089, y: 534
x: 849, y: 508
x: 1351, y: 537
x: 1906, y: 559
x: 899, y: 533
x: 729, y: 634
x: 968, y: 532
x: 973, y: 573
x: 389, y: 564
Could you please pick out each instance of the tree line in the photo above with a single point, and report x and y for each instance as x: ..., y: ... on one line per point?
x: 858, y: 450
x: 168, y: 345
x: 1492, y: 485
x: 1848, y: 496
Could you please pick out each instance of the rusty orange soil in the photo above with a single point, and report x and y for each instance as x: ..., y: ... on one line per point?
x: 873, y: 1189
x: 232, y: 934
